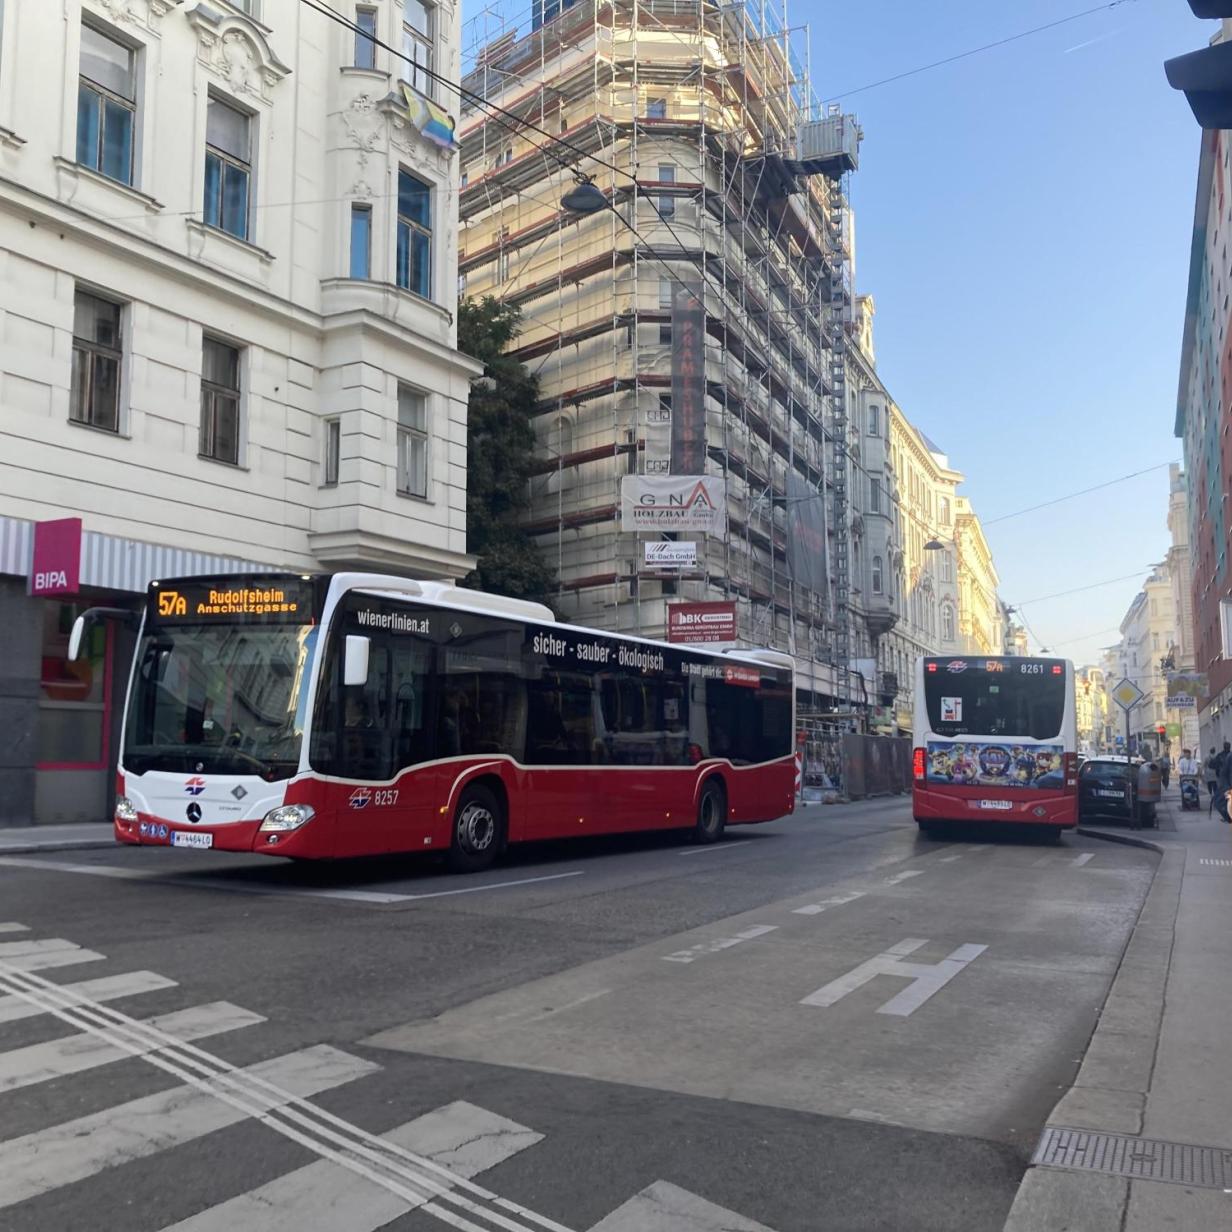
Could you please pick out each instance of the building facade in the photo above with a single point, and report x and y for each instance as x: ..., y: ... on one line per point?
x: 1091, y: 709
x: 1204, y: 424
x: 1147, y: 632
x: 694, y: 329
x: 228, y: 342
x: 1182, y: 652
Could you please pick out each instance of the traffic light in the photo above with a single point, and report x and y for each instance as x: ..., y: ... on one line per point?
x: 1206, y: 76
x: 1161, y: 730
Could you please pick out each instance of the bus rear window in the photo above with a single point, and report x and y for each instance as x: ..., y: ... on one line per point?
x: 1018, y: 698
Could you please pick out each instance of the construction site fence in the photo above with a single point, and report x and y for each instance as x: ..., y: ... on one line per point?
x: 875, y: 765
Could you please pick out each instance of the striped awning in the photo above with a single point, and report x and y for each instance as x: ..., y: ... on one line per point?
x: 111, y: 563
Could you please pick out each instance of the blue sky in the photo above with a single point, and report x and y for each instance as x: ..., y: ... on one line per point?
x: 1023, y: 222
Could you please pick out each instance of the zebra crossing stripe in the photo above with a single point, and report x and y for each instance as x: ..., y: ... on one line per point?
x: 662, y: 1207
x: 324, y: 1195
x: 40, y: 955
x: 13, y: 928
x: 49, y: 1158
x: 23, y: 1067
x: 107, y: 988
x: 248, y: 1094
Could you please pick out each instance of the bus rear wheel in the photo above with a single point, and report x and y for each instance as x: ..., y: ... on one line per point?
x: 478, y: 824
x: 711, y: 813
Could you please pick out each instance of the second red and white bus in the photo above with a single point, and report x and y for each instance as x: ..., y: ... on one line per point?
x: 356, y: 714
x: 995, y: 741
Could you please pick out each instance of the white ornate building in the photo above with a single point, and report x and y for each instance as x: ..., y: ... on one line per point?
x: 229, y: 278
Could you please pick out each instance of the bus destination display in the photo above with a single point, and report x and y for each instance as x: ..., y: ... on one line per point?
x: 251, y: 600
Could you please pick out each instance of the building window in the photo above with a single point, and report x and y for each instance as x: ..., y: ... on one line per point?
x: 947, y: 567
x: 874, y: 421
x: 361, y: 241
x: 665, y: 335
x: 106, y: 106
x: 412, y: 442
x: 876, y: 575
x: 943, y: 511
x: 656, y: 109
x: 414, y: 235
x: 947, y: 623
x: 418, y: 42
x: 874, y: 495
x: 251, y: 7
x: 95, y: 395
x: 220, y: 401
x: 667, y: 205
x: 228, y: 168
x: 665, y: 292
x: 365, y: 38
x: 333, y: 452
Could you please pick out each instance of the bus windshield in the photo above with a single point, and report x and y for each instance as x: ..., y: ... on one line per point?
x: 220, y: 698
x: 1008, y: 698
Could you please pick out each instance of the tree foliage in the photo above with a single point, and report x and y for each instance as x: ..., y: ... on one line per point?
x: 500, y: 452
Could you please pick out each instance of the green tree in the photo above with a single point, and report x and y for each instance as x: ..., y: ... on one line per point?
x: 500, y: 452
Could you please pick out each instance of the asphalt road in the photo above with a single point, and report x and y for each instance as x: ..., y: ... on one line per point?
x: 820, y: 1025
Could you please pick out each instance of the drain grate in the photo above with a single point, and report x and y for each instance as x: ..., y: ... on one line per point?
x: 1147, y: 1159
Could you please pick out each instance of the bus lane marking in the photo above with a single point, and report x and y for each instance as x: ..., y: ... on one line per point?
x: 836, y: 901
x: 927, y: 979
x: 723, y: 943
x: 701, y: 851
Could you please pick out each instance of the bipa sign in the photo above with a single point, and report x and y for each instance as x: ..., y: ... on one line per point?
x: 55, y: 564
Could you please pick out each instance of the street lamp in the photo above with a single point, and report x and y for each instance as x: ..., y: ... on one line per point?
x: 934, y: 545
x: 585, y: 197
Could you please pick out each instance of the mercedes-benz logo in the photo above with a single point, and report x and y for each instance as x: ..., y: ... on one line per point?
x: 199, y: 767
x: 194, y: 812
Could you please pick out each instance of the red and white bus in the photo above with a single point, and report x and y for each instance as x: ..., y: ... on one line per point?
x: 354, y: 714
x: 995, y: 741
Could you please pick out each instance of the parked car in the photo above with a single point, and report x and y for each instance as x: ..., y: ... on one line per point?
x: 1108, y: 787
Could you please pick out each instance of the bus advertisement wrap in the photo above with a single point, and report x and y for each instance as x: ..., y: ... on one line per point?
x: 996, y: 764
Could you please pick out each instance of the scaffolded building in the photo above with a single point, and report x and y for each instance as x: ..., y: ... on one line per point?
x: 722, y: 177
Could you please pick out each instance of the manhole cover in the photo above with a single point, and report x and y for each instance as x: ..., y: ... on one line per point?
x: 1148, y: 1159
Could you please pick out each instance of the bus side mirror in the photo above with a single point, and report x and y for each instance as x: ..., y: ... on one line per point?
x: 355, y: 660
x: 75, y: 638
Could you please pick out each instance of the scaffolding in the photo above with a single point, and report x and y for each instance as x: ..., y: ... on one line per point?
x: 698, y: 122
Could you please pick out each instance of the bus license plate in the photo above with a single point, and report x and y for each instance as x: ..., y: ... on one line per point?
x: 185, y: 838
x: 1116, y: 795
x: 996, y: 804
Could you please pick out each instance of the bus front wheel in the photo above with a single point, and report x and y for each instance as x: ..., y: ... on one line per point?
x: 477, y: 827
x: 711, y: 812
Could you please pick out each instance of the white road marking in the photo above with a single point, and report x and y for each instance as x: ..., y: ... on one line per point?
x: 244, y: 1094
x: 42, y: 1161
x: 927, y: 979
x: 497, y: 885
x: 899, y: 877
x: 164, y: 877
x: 1218, y: 863
x: 837, y: 901
x: 701, y: 851
x: 663, y: 1207
x: 23, y: 1067
x: 949, y: 859
x: 723, y: 943
x: 40, y: 955
x: 461, y: 1137
x: 14, y: 928
x: 108, y: 988
x: 1085, y: 858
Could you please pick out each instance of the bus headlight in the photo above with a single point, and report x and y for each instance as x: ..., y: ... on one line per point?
x: 287, y: 817
x: 124, y: 809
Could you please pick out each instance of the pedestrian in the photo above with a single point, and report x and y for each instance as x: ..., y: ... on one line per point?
x: 1165, y: 767
x: 1188, y: 766
x: 1224, y: 784
x: 1211, y: 770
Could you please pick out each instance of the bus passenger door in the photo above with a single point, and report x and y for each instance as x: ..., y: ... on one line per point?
x: 561, y: 794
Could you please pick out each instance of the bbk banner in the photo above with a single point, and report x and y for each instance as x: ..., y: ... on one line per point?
x: 673, y: 502
x: 670, y: 554
x: 701, y: 623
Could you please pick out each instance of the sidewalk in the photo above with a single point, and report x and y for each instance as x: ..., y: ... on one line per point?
x: 1142, y: 1142
x: 24, y: 839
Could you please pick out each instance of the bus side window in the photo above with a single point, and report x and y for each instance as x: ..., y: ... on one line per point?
x: 367, y: 713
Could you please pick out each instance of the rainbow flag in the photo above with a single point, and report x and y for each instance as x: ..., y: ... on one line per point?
x: 434, y: 122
